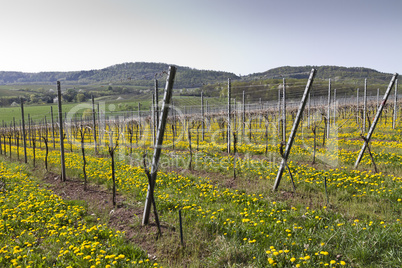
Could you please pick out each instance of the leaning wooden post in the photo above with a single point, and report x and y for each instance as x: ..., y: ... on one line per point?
x: 94, y: 124
x: 23, y: 131
x: 229, y: 112
x: 63, y: 165
x: 329, y: 108
x: 364, y: 106
x: 377, y: 116
x: 153, y: 124
x: 294, y: 129
x: 158, y: 148
x: 157, y: 102
x: 395, y: 105
x: 284, y: 111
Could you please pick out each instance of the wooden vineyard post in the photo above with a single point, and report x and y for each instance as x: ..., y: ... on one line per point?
x: 17, y: 141
x: 328, y: 108
x: 229, y: 114
x: 314, y: 129
x: 308, y: 110
x: 173, y: 126
x: 202, y: 115
x: 139, y: 118
x: 23, y: 131
x: 156, y: 105
x: 94, y: 124
x: 376, y: 118
x: 100, y: 125
x: 284, y: 111
x: 364, y: 106
x: 395, y: 105
x: 14, y: 128
x: 29, y: 130
x: 357, y: 106
x: 294, y: 129
x: 279, y: 112
x: 189, y: 147
x: 234, y: 153
x: 62, y: 161
x: 51, y: 113
x: 243, y: 117
x: 234, y: 116
x: 158, y: 147
x: 334, y: 115
x: 378, y: 97
x: 152, y: 120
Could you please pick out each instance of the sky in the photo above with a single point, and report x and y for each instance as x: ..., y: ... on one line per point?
x: 238, y: 36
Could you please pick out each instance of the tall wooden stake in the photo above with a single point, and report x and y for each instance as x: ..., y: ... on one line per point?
x: 329, y: 107
x: 243, y: 117
x: 364, y: 106
x: 357, y: 106
x: 63, y: 165
x: 378, y: 97
x: 279, y: 112
x: 229, y: 114
x: 153, y: 125
x: 51, y: 113
x: 23, y: 131
x: 158, y: 147
x: 284, y: 111
x: 156, y: 104
x: 334, y: 115
x: 202, y: 115
x: 377, y: 116
x: 139, y: 118
x: 308, y: 110
x: 94, y: 124
x: 395, y: 105
x: 294, y: 128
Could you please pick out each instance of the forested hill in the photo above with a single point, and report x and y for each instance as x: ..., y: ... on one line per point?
x: 336, y: 73
x: 143, y: 74
x: 346, y: 80
x: 138, y: 73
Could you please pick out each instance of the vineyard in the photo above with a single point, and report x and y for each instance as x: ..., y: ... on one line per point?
x: 207, y: 182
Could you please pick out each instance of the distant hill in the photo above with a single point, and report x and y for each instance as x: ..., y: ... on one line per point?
x: 142, y: 74
x: 338, y: 73
x: 138, y: 73
x: 265, y: 85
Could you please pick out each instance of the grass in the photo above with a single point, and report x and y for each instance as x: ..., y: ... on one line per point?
x: 242, y: 223
x: 110, y: 104
x: 39, y: 229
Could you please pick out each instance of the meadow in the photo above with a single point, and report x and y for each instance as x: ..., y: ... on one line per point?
x: 338, y: 216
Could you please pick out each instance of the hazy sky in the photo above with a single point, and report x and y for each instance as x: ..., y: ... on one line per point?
x: 230, y: 35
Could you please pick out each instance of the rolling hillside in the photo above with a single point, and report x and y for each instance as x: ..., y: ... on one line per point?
x: 135, y: 74
x: 143, y: 73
